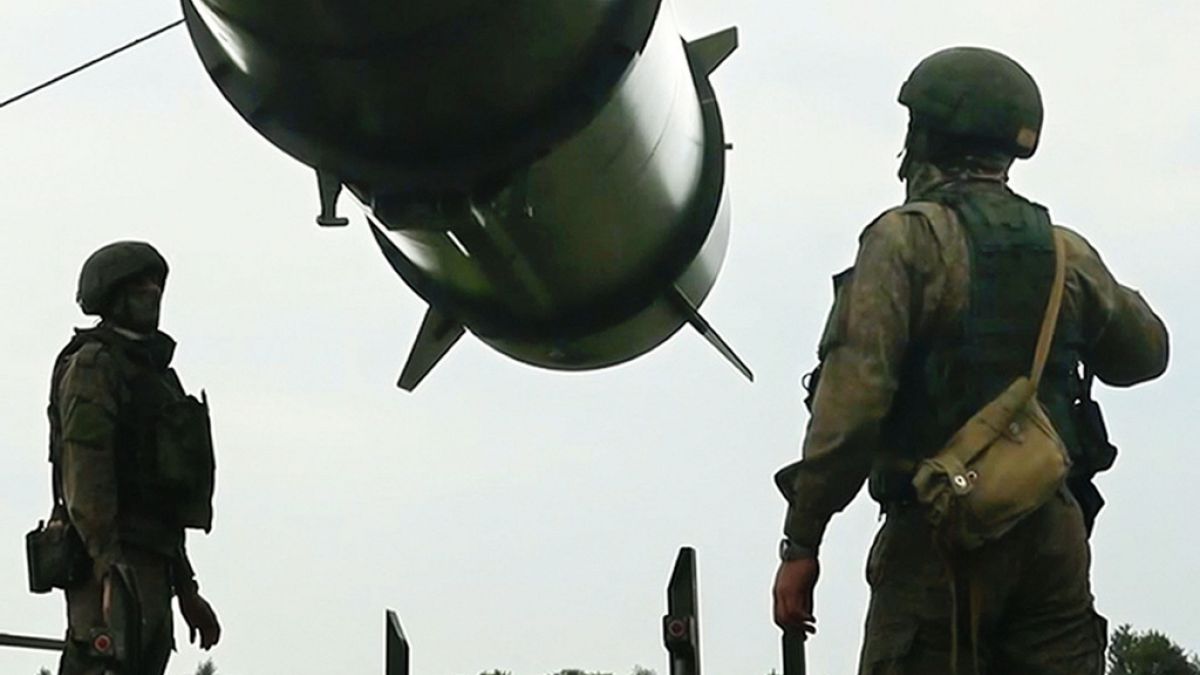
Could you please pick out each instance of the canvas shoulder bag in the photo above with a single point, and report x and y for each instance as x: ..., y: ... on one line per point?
x: 1007, y: 460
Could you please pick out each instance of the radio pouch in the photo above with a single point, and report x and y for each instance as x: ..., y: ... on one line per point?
x: 54, y: 553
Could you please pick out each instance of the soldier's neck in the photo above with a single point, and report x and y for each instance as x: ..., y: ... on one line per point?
x: 926, y: 177
x: 131, y: 334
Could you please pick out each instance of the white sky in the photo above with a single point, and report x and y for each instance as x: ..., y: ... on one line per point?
x: 523, y: 519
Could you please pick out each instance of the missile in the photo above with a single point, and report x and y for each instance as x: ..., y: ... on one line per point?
x: 546, y: 174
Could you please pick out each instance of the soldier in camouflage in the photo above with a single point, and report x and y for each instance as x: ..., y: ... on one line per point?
x: 132, y: 458
x: 940, y: 311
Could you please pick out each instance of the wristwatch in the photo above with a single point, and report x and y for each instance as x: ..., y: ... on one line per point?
x: 790, y: 550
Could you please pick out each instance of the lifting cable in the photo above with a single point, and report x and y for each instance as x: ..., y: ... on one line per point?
x: 89, y: 64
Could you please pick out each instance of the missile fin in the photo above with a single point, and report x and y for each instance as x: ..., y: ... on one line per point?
x: 692, y: 314
x: 709, y: 52
x: 437, y: 335
x: 397, y: 646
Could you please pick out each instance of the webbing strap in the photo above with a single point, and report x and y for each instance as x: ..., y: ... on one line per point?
x: 975, y: 609
x: 1050, y: 322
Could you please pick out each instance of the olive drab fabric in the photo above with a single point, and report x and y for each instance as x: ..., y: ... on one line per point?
x: 144, y: 637
x: 135, y: 458
x: 976, y: 94
x: 1031, y: 588
x: 1007, y: 459
x: 106, y: 269
x: 910, y: 286
x: 911, y: 295
x: 938, y: 317
x: 949, y: 377
x: 162, y: 448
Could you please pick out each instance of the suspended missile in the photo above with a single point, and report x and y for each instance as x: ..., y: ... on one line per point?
x: 547, y: 174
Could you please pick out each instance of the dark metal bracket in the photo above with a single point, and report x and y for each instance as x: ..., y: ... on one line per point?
x: 397, y: 646
x: 680, y: 626
x: 329, y: 187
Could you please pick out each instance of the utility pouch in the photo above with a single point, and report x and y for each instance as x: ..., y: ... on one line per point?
x: 186, y: 467
x: 54, y: 554
x: 1097, y: 453
x: 1005, y: 462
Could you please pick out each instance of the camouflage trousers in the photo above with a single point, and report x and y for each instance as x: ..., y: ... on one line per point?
x: 1026, y: 597
x: 155, y: 639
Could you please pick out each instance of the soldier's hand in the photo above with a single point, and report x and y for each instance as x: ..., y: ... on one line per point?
x: 201, y: 620
x: 794, y: 584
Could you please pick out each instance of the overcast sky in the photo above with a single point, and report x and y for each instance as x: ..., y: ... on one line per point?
x: 523, y: 519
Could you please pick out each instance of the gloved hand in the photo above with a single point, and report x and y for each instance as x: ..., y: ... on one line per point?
x: 200, y: 618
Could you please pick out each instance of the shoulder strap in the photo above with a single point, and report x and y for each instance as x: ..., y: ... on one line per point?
x: 1052, y: 310
x: 929, y: 210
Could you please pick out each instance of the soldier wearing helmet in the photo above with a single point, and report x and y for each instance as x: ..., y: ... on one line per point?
x: 133, y: 468
x: 941, y: 310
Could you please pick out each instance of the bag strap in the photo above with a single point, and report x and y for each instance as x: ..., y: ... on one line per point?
x: 1042, y: 353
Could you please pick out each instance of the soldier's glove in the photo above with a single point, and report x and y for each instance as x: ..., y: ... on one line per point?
x: 201, y: 619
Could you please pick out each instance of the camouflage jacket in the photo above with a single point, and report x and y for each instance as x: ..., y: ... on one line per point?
x: 89, y: 401
x: 911, y: 280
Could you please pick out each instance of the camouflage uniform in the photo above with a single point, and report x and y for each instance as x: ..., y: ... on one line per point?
x: 92, y: 413
x: 911, y: 283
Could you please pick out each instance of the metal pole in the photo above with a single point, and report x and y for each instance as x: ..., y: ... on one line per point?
x: 793, y: 653
x: 25, y: 642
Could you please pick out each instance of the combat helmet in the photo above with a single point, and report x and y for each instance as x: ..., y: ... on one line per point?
x: 106, y: 269
x: 976, y: 95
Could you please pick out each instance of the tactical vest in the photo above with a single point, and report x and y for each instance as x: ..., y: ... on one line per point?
x: 946, y: 378
x: 165, y: 468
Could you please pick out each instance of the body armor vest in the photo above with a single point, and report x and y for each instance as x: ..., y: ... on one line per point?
x: 947, y: 378
x: 165, y: 468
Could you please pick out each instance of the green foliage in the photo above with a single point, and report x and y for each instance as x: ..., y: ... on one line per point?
x: 1148, y: 653
x: 206, y: 668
